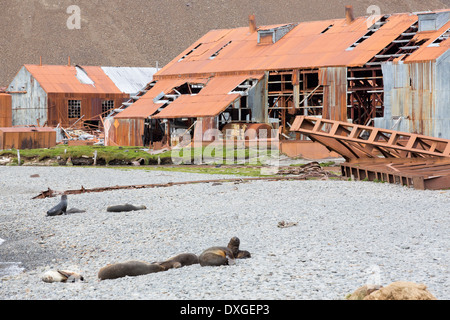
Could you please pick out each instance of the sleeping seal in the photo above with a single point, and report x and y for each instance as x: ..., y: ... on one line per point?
x: 182, y: 260
x: 125, y: 208
x: 60, y: 209
x: 128, y: 269
x: 61, y: 276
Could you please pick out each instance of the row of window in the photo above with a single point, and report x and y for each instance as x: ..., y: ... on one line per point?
x: 74, y: 108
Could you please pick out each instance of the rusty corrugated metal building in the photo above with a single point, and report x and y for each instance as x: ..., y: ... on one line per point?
x: 368, y: 70
x: 52, y: 94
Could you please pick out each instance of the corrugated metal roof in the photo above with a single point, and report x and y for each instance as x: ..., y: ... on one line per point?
x: 213, y: 99
x: 128, y: 79
x: 308, y: 45
x: 63, y: 79
x: 145, y: 106
x: 91, y: 79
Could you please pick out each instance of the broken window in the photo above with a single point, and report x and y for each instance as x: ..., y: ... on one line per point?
x: 374, y: 28
x: 107, y: 106
x: 328, y: 28
x: 218, y: 51
x: 74, y: 109
x: 189, y: 53
x: 442, y: 37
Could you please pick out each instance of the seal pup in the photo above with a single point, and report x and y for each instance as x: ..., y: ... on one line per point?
x: 125, y: 208
x: 60, y: 209
x: 182, y: 260
x: 128, y: 269
x: 61, y: 276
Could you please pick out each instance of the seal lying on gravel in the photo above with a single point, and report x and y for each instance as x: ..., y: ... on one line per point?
x: 223, y: 256
x: 60, y: 209
x: 128, y: 269
x: 182, y: 260
x: 140, y: 268
x: 125, y: 208
x: 61, y: 276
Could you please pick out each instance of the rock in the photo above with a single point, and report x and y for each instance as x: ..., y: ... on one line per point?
x: 362, y: 292
x: 402, y: 290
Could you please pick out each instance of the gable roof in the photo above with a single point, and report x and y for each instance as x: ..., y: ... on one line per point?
x: 308, y: 45
x: 90, y: 79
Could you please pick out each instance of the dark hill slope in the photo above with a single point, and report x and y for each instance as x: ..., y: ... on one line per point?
x: 141, y: 32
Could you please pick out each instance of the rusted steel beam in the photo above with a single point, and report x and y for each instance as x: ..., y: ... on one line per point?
x: 390, y: 144
x: 52, y: 193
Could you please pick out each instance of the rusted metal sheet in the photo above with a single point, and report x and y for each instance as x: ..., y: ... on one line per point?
x: 147, y: 106
x: 63, y: 79
x: 27, y: 138
x: 383, y: 155
x: 309, y: 45
x: 334, y: 80
x: 356, y: 141
x: 52, y: 193
x: 5, y: 110
x: 124, y: 132
x: 428, y: 174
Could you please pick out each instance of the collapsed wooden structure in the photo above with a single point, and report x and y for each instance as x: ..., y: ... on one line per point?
x: 376, y: 154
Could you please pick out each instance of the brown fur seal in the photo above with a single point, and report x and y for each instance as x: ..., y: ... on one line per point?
x: 128, y: 269
x: 234, y: 245
x: 222, y: 256
x: 60, y: 209
x: 125, y: 208
x: 182, y: 260
x: 216, y: 256
x: 140, y: 268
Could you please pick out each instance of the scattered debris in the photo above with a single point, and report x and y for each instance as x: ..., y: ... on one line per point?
x: 284, y: 224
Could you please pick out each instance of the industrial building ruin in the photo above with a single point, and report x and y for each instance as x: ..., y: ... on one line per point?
x: 389, y: 71
x: 52, y: 95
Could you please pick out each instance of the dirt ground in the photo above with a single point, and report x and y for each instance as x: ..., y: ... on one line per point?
x: 144, y: 32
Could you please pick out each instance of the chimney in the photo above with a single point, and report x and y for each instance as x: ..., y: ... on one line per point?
x: 68, y: 62
x: 40, y: 61
x: 349, y: 14
x: 252, y: 23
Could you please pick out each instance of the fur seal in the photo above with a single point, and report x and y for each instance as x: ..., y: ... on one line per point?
x: 223, y: 256
x: 60, y: 209
x: 234, y: 245
x: 125, y: 208
x: 61, y: 276
x: 182, y: 260
x: 140, y: 268
x: 128, y: 269
x: 216, y: 256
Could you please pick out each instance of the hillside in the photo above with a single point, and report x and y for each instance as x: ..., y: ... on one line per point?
x: 142, y: 32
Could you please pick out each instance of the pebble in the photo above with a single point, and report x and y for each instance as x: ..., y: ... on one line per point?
x: 329, y: 254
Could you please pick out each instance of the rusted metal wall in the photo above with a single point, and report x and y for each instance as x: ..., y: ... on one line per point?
x: 334, y: 80
x: 27, y: 138
x: 31, y: 106
x: 124, y: 132
x: 91, y: 106
x: 5, y: 110
x: 416, y: 98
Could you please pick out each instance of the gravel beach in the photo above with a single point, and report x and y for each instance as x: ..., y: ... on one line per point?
x: 347, y: 234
